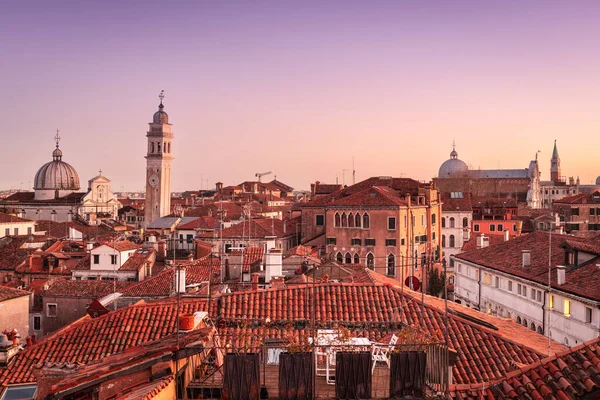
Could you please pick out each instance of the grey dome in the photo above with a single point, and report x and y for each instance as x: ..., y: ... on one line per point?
x: 56, y: 175
x: 598, y: 180
x: 452, y: 167
x: 160, y: 117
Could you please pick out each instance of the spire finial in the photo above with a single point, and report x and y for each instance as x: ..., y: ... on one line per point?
x: 161, y: 96
x: 100, y: 171
x: 57, y: 138
x: 453, y: 145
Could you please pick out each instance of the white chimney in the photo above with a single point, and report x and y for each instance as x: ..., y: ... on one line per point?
x: 179, y: 280
x: 526, y: 258
x: 89, y: 246
x: 482, y: 241
x: 274, y: 264
x: 506, y: 235
x: 560, y: 274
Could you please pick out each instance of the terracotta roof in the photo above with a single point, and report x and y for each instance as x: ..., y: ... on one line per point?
x: 204, y: 222
x: 326, y: 188
x: 282, y: 186
x: 137, y: 260
x: 162, y: 285
x: 507, y: 257
x: 581, y: 198
x: 124, y: 245
x: 88, y: 340
x: 570, y: 374
x: 29, y: 197
x: 148, y: 390
x: 471, y: 244
x: 8, y: 219
x: 251, y: 255
x: 376, y: 196
x: 7, y: 293
x: 487, y: 349
x: 253, y: 229
x: 456, y: 204
x: 84, y: 288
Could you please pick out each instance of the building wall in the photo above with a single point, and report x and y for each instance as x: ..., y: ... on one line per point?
x: 460, y: 232
x: 497, y: 227
x: 68, y: 309
x: 309, y: 227
x: 17, y: 228
x: 578, y: 217
x: 106, y: 253
x: 37, y: 212
x: 14, y: 314
x: 526, y: 302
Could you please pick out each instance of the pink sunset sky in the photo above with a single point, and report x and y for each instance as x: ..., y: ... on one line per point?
x: 300, y: 88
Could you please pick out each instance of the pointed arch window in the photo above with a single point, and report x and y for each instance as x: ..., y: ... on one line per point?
x: 350, y: 220
x: 451, y: 241
x: 518, y: 320
x: 337, y: 220
x: 340, y: 258
x: 366, y: 223
x: 348, y: 258
x: 344, y: 220
x: 451, y: 222
x: 356, y: 259
x: 391, y: 265
x: 371, y: 261
x: 357, y: 220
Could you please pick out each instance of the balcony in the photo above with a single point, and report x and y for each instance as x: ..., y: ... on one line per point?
x: 319, y: 372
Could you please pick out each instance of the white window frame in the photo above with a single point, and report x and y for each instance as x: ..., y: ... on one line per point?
x: 48, y: 310
x: 395, y: 223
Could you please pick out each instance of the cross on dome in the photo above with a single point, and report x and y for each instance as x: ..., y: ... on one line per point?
x: 57, y: 138
x: 161, y: 96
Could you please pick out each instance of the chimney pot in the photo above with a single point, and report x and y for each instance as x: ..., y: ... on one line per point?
x: 560, y: 274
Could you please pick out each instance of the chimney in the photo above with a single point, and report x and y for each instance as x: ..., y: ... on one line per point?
x: 482, y: 241
x: 526, y: 258
x: 190, y: 257
x: 274, y: 261
x: 277, y: 282
x: 179, y: 278
x: 506, y: 235
x: 254, y: 282
x: 560, y: 274
x: 89, y: 246
x: 162, y: 251
x: 7, y: 349
x: 284, y: 228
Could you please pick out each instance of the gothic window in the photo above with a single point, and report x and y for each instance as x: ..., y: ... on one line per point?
x: 336, y: 221
x: 443, y: 240
x: 451, y: 222
x: 533, y: 326
x: 465, y: 222
x: 340, y: 258
x: 451, y: 244
x: 348, y: 258
x: 371, y: 261
x: 357, y: 220
x: 344, y: 220
x: 443, y: 222
x: 391, y: 265
x: 539, y: 330
x: 525, y: 323
x: 356, y: 259
x: 366, y: 223
x: 518, y: 320
x: 350, y: 220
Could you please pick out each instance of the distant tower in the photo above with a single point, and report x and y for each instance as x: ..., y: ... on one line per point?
x: 158, y: 166
x: 555, y: 165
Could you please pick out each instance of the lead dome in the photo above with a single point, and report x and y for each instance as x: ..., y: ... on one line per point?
x: 160, y: 117
x: 55, y: 178
x: 453, y: 167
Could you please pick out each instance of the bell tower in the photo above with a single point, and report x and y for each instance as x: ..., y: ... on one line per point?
x: 158, y: 165
x: 555, y: 165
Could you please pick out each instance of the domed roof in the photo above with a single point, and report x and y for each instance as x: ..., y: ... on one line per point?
x: 598, y: 180
x: 56, y: 175
x: 160, y: 117
x: 452, y: 167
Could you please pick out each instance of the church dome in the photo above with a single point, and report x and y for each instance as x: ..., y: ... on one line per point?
x: 56, y: 175
x: 160, y: 117
x: 598, y: 180
x: 452, y: 167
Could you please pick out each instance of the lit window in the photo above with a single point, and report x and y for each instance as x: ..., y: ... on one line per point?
x: 567, y: 308
x: 551, y: 302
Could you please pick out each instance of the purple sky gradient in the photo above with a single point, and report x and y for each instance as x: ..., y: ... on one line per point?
x: 299, y: 88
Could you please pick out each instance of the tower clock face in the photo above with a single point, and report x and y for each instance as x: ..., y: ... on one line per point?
x: 153, y: 180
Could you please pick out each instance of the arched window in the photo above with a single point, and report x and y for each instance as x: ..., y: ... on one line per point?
x: 443, y: 222
x: 518, y: 320
x: 366, y: 223
x: 465, y: 222
x: 336, y: 221
x: 540, y: 330
x: 451, y: 222
x: 350, y: 220
x: 340, y: 258
x: 357, y: 220
x: 348, y: 258
x: 169, y: 147
x: 524, y: 322
x: 344, y: 220
x: 432, y: 219
x: 158, y: 144
x: 151, y: 147
x: 356, y: 259
x: 391, y: 265
x: 371, y: 261
x: 443, y: 240
x: 451, y: 241
x: 533, y: 326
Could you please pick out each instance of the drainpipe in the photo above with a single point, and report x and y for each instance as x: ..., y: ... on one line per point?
x: 546, y: 293
x: 479, y: 294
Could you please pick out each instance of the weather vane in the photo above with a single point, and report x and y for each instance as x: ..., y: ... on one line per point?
x: 161, y: 96
x: 57, y: 137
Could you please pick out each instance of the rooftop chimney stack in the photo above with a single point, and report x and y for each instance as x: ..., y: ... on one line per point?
x: 482, y: 241
x: 526, y: 258
x: 179, y: 280
x: 506, y: 235
x: 274, y: 267
x: 560, y: 274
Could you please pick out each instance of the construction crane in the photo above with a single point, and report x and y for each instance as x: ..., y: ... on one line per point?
x: 261, y: 174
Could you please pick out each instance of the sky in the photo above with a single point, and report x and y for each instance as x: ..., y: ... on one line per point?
x: 299, y: 88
